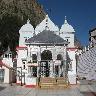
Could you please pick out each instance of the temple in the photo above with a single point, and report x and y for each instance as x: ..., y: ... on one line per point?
x: 46, y: 51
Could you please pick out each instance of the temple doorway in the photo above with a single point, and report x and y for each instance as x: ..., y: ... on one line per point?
x: 46, y: 56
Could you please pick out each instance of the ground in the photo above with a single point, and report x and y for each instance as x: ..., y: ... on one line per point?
x: 14, y: 90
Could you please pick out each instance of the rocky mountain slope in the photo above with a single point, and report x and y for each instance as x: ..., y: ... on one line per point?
x: 13, y: 14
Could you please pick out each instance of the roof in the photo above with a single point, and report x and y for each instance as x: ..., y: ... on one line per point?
x: 46, y: 22
x: 66, y: 27
x: 46, y: 37
x: 27, y: 27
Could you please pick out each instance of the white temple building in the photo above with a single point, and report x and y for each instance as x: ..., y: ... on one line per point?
x: 46, y: 51
x: 7, y: 75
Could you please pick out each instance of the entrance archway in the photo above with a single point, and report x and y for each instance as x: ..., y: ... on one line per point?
x: 46, y: 56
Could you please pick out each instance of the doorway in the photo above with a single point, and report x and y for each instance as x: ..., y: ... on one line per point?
x: 46, y: 56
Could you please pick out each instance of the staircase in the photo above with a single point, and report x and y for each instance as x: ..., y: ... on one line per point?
x: 62, y: 82
x: 53, y: 83
x: 47, y: 82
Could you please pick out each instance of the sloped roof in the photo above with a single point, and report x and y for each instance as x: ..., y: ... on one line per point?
x: 47, y: 37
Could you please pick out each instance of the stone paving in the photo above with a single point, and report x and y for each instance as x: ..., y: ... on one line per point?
x: 7, y: 90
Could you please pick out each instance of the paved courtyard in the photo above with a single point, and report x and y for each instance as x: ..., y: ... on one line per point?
x: 8, y: 90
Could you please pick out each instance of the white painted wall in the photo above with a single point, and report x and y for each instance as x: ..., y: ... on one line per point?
x: 8, y: 61
x: 68, y: 37
x: 25, y: 32
x: 72, y: 74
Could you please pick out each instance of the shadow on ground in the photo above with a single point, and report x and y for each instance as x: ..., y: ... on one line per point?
x: 2, y: 88
x: 89, y: 93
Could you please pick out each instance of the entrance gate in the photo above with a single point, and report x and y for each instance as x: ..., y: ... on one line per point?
x: 46, y: 56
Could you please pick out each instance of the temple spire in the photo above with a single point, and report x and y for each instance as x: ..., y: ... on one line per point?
x: 28, y: 21
x: 65, y: 22
x: 46, y: 27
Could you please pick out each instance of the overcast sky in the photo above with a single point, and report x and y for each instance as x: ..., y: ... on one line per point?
x: 81, y: 14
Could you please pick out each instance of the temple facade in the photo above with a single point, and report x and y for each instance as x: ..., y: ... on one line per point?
x: 46, y: 51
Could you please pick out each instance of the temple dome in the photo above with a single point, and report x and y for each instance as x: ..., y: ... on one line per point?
x: 46, y: 24
x: 27, y: 27
x: 66, y: 27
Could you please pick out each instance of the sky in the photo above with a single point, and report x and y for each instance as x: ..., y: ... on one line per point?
x: 81, y: 14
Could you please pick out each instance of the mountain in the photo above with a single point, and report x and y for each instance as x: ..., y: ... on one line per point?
x: 13, y: 14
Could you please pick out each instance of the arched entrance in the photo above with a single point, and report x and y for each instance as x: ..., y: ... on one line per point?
x: 46, y: 56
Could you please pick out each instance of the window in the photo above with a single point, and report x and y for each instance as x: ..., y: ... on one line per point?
x: 24, y: 65
x: 2, y: 75
x: 67, y: 38
x: 23, y: 62
x: 6, y: 55
x: 34, y: 58
x: 59, y: 57
x: 33, y: 70
x: 70, y: 66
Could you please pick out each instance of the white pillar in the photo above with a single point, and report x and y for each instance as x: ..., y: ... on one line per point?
x: 51, y: 69
x: 64, y: 61
x: 38, y: 60
x: 59, y: 70
x: 54, y: 59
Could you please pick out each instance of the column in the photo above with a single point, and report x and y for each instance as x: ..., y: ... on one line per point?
x: 51, y: 68
x: 65, y: 62
x: 54, y: 59
x: 38, y: 60
x: 59, y: 70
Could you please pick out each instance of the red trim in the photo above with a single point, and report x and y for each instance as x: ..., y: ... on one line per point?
x: 30, y: 86
x: 71, y: 49
x: 1, y: 63
x: 18, y: 83
x: 21, y: 47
